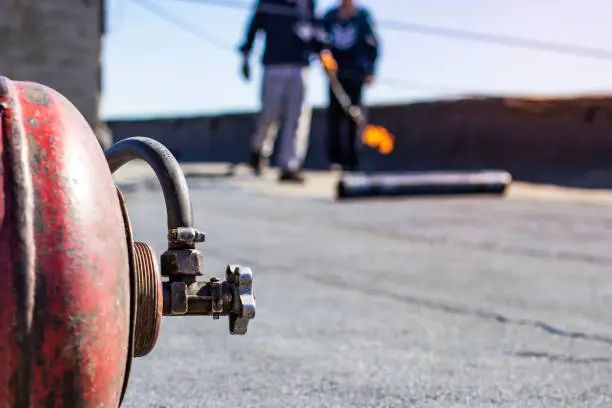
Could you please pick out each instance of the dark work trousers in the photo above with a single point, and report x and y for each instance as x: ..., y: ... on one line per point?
x: 342, y: 131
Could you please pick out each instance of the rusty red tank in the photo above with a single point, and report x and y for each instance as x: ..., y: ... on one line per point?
x: 65, y: 289
x: 78, y: 297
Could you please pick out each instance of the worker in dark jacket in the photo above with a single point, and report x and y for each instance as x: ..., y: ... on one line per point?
x: 292, y: 36
x: 355, y: 48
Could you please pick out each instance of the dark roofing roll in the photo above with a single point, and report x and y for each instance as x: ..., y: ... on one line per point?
x: 423, y: 183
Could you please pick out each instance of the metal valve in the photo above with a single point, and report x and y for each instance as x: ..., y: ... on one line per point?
x: 233, y: 298
x: 181, y: 294
x: 184, y: 295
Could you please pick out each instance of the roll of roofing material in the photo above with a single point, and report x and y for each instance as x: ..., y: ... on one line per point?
x: 422, y: 184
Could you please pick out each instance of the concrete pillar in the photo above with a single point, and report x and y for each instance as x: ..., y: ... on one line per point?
x: 57, y: 43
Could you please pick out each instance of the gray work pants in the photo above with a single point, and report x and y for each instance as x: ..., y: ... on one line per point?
x: 283, y: 100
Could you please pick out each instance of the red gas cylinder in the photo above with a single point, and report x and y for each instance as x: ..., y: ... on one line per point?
x: 65, y: 292
x: 78, y: 297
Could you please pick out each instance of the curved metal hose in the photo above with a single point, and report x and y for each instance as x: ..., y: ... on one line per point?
x: 167, y: 170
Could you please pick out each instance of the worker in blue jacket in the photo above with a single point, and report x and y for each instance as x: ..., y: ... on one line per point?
x: 354, y: 45
x: 292, y: 36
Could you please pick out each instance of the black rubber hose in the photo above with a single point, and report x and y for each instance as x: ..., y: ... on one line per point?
x: 167, y: 170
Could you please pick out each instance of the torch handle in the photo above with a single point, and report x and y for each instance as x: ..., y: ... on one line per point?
x: 355, y: 112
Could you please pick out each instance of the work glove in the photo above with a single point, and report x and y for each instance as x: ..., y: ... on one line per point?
x: 368, y: 68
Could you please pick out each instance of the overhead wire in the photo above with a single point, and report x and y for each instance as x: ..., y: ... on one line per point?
x: 444, y: 32
x: 410, y: 86
x: 182, y: 24
x: 177, y: 21
x: 498, y: 39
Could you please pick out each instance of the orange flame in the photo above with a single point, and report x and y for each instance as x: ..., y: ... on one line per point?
x: 328, y: 61
x: 378, y: 138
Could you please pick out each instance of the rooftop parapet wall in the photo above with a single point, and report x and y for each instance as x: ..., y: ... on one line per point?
x: 564, y: 141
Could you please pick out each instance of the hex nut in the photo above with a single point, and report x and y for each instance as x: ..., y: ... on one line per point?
x: 183, y: 262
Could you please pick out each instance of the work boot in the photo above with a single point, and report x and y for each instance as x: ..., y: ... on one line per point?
x: 291, y: 176
x: 256, y: 162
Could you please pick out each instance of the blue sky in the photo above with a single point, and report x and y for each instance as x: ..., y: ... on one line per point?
x: 152, y: 68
